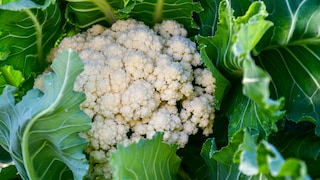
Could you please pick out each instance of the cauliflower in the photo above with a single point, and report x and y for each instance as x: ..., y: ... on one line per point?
x: 139, y: 81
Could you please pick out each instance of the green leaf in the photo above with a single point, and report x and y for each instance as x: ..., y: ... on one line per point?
x: 250, y: 29
x: 244, y: 112
x: 84, y: 13
x: 28, y: 31
x: 256, y: 158
x: 255, y: 80
x: 220, y: 162
x: 4, y: 156
x: 246, y: 158
x: 154, y: 11
x: 6, y: 1
x: 192, y: 164
x: 240, y: 7
x: 289, y: 51
x: 147, y: 159
x: 9, y: 173
x: 9, y: 76
x: 221, y: 83
x: 41, y: 131
x: 4, y: 52
x: 230, y: 52
x: 302, y: 144
x: 217, y: 47
x: 296, y: 20
x: 208, y: 18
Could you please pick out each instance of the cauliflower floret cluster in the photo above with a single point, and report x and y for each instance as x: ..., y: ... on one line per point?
x: 139, y: 81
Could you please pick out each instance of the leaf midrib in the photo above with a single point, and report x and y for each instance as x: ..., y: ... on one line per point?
x: 158, y: 11
x: 106, y: 9
x: 38, y: 32
x: 26, y: 133
x: 299, y: 42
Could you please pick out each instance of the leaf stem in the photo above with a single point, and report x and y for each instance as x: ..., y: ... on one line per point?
x: 38, y: 32
x: 158, y: 11
x: 106, y: 9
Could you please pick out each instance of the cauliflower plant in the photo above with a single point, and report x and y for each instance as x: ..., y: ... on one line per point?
x: 139, y: 81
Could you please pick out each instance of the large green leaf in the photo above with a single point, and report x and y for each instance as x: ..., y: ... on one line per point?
x: 85, y: 13
x: 41, y: 131
x: 154, y: 11
x: 146, y: 159
x: 300, y: 142
x: 28, y: 31
x: 208, y: 18
x: 230, y: 51
x: 290, y: 53
x: 247, y: 158
x: 244, y: 112
x: 294, y: 21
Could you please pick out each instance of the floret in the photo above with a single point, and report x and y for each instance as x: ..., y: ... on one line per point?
x: 139, y: 81
x: 139, y: 101
x: 169, y: 28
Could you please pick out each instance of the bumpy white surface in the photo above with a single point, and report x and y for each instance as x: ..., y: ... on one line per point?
x: 139, y: 81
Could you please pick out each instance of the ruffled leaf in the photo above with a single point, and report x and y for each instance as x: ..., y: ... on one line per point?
x: 247, y: 158
x: 230, y: 51
x: 302, y: 143
x: 10, y: 76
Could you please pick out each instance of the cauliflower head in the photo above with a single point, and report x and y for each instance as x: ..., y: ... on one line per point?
x: 139, y: 81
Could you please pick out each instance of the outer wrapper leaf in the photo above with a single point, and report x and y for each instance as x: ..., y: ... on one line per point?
x: 41, y: 131
x: 28, y: 31
x: 147, y: 159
